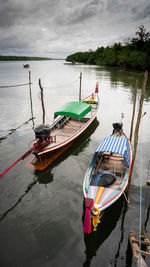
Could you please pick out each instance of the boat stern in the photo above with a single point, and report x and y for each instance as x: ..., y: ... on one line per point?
x: 91, y: 216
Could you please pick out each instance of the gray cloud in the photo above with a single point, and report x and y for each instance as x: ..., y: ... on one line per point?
x: 81, y: 11
x: 61, y: 27
x: 145, y: 13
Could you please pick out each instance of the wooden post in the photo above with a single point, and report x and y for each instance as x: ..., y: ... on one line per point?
x: 135, y: 240
x: 135, y: 251
x: 146, y: 239
x: 134, y: 104
x: 31, y: 98
x: 42, y: 101
x: 80, y: 87
x: 137, y: 126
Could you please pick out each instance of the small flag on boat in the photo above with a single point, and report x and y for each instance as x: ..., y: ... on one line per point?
x: 96, y: 89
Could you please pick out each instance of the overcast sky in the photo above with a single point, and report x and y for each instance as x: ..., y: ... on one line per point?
x: 57, y: 28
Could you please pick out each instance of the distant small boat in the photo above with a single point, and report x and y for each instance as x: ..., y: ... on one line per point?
x: 107, y: 176
x: 26, y: 66
x: 70, y: 63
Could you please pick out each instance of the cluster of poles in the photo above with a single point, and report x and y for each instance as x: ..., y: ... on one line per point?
x: 141, y: 238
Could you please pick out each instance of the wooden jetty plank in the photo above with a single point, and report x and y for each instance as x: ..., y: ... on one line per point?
x: 144, y: 253
x: 142, y: 242
x: 142, y: 236
x: 135, y: 249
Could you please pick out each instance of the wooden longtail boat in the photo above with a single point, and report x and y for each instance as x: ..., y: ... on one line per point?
x: 107, y: 176
x: 26, y: 66
x: 69, y: 123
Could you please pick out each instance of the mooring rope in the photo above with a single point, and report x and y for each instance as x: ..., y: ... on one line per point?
x: 7, y: 86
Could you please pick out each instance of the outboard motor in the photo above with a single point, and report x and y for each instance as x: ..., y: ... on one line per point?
x: 117, y: 128
x: 42, y: 132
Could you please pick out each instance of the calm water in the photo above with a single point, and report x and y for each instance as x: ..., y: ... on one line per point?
x: 41, y: 212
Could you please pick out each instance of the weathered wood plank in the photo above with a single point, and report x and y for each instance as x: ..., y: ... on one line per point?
x: 135, y: 253
x: 147, y: 243
x: 144, y: 253
x: 142, y: 236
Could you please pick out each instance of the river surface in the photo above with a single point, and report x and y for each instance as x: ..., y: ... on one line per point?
x: 41, y: 212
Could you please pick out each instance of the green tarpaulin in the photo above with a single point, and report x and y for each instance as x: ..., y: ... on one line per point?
x: 74, y: 109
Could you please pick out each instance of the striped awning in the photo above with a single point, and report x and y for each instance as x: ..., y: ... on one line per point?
x: 113, y: 144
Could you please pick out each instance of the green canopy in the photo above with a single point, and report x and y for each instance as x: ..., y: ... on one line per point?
x: 74, y: 109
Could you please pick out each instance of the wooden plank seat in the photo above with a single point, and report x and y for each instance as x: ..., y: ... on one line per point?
x: 64, y: 122
x: 117, y: 167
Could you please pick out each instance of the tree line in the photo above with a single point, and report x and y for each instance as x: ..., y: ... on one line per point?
x: 3, y: 58
x: 135, y: 54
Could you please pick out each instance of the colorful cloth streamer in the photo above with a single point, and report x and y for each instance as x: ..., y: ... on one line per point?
x: 95, y: 219
x: 89, y: 204
x: 96, y: 89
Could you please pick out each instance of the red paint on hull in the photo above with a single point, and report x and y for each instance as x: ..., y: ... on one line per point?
x: 46, y: 159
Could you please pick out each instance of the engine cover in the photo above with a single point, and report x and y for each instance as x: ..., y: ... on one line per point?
x: 42, y: 132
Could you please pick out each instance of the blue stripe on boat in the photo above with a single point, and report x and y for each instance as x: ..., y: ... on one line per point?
x: 113, y: 144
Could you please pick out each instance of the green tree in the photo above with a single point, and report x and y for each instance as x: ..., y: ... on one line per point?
x: 142, y: 37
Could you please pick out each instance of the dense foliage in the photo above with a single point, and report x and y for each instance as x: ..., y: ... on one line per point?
x: 3, y: 58
x: 135, y: 54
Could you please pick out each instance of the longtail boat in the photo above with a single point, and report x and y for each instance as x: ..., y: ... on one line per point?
x: 107, y: 176
x: 69, y: 123
x: 26, y: 66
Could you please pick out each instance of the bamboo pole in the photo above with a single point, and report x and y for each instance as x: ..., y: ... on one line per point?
x: 31, y: 98
x: 138, y: 125
x: 42, y: 100
x: 80, y: 86
x: 135, y: 94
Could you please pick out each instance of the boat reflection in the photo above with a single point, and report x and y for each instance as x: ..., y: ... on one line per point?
x: 109, y: 220
x: 41, y: 179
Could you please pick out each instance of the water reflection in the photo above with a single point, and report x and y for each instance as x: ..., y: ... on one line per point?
x: 127, y: 80
x: 123, y: 213
x: 41, y: 179
x: 108, y: 222
x: 46, y: 177
x: 11, y: 131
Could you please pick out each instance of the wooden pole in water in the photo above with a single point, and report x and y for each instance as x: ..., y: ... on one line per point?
x: 42, y: 100
x: 31, y: 97
x: 138, y: 125
x: 135, y: 251
x: 135, y: 94
x: 80, y: 87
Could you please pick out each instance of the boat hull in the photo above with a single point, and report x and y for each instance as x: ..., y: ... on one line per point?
x: 43, y: 161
